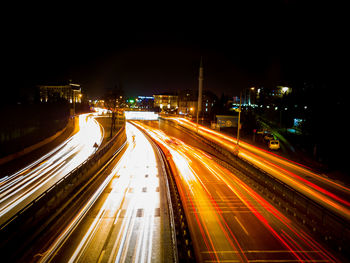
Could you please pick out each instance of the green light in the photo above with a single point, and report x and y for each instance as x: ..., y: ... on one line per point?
x: 131, y: 101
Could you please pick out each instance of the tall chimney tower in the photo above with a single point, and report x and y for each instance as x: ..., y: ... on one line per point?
x: 200, y: 88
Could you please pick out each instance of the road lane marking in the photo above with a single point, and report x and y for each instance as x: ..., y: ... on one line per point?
x: 245, y: 230
x: 101, y: 256
x: 220, y: 195
x: 117, y: 217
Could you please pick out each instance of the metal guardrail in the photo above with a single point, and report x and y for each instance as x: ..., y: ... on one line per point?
x: 182, y: 239
x: 54, y: 248
x: 184, y: 243
x: 324, y: 224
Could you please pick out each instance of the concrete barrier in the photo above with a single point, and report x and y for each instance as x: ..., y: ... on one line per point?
x: 182, y: 238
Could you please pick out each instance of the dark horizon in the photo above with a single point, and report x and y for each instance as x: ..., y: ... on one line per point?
x: 149, y: 52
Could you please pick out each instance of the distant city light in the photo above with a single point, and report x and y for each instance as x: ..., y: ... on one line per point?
x: 141, y: 115
x: 298, y: 122
x: 146, y: 97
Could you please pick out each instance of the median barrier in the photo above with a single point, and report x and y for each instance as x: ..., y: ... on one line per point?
x: 182, y: 238
x: 323, y: 223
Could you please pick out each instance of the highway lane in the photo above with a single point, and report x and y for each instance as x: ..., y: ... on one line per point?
x: 229, y: 221
x: 321, y: 189
x: 20, y: 188
x: 127, y: 219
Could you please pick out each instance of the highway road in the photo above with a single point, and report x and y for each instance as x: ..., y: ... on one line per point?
x: 127, y: 219
x: 228, y: 220
x: 331, y: 194
x: 19, y: 189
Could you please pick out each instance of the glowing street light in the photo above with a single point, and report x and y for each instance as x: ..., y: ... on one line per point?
x: 285, y: 90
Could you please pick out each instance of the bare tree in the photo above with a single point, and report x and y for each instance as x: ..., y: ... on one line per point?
x: 113, y: 99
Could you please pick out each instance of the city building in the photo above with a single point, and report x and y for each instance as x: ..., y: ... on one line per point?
x: 280, y: 91
x: 209, y: 99
x: 187, y: 102
x: 145, y: 102
x: 261, y: 96
x: 70, y: 92
x: 187, y: 107
x: 166, y: 102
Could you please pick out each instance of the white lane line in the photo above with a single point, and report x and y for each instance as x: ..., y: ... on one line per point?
x: 101, y: 256
x: 245, y: 230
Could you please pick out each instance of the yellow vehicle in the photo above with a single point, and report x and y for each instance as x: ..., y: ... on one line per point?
x: 274, y: 144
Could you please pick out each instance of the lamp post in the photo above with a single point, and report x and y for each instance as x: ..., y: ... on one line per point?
x: 248, y: 101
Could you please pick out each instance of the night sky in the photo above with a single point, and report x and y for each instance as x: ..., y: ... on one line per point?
x: 154, y: 48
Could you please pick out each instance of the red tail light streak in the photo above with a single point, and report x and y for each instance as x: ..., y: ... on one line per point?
x: 321, y: 189
x: 228, y: 220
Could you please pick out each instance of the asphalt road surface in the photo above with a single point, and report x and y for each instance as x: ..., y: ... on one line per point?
x: 21, y: 188
x: 331, y: 194
x: 228, y: 220
x: 127, y: 219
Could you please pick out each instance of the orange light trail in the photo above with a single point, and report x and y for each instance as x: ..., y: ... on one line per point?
x: 285, y: 161
x: 274, y: 167
x: 278, y: 215
x: 260, y: 217
x: 176, y: 149
x: 203, y: 227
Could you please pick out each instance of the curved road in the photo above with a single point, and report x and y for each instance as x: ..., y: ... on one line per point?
x: 127, y: 219
x: 22, y: 187
x: 228, y: 220
x: 328, y: 193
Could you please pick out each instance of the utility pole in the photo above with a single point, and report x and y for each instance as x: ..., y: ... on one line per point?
x: 200, y: 89
x: 73, y: 102
x: 239, y: 120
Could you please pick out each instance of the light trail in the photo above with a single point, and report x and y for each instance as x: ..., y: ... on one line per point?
x: 294, y: 174
x: 199, y: 179
x: 19, y: 189
x: 125, y: 226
